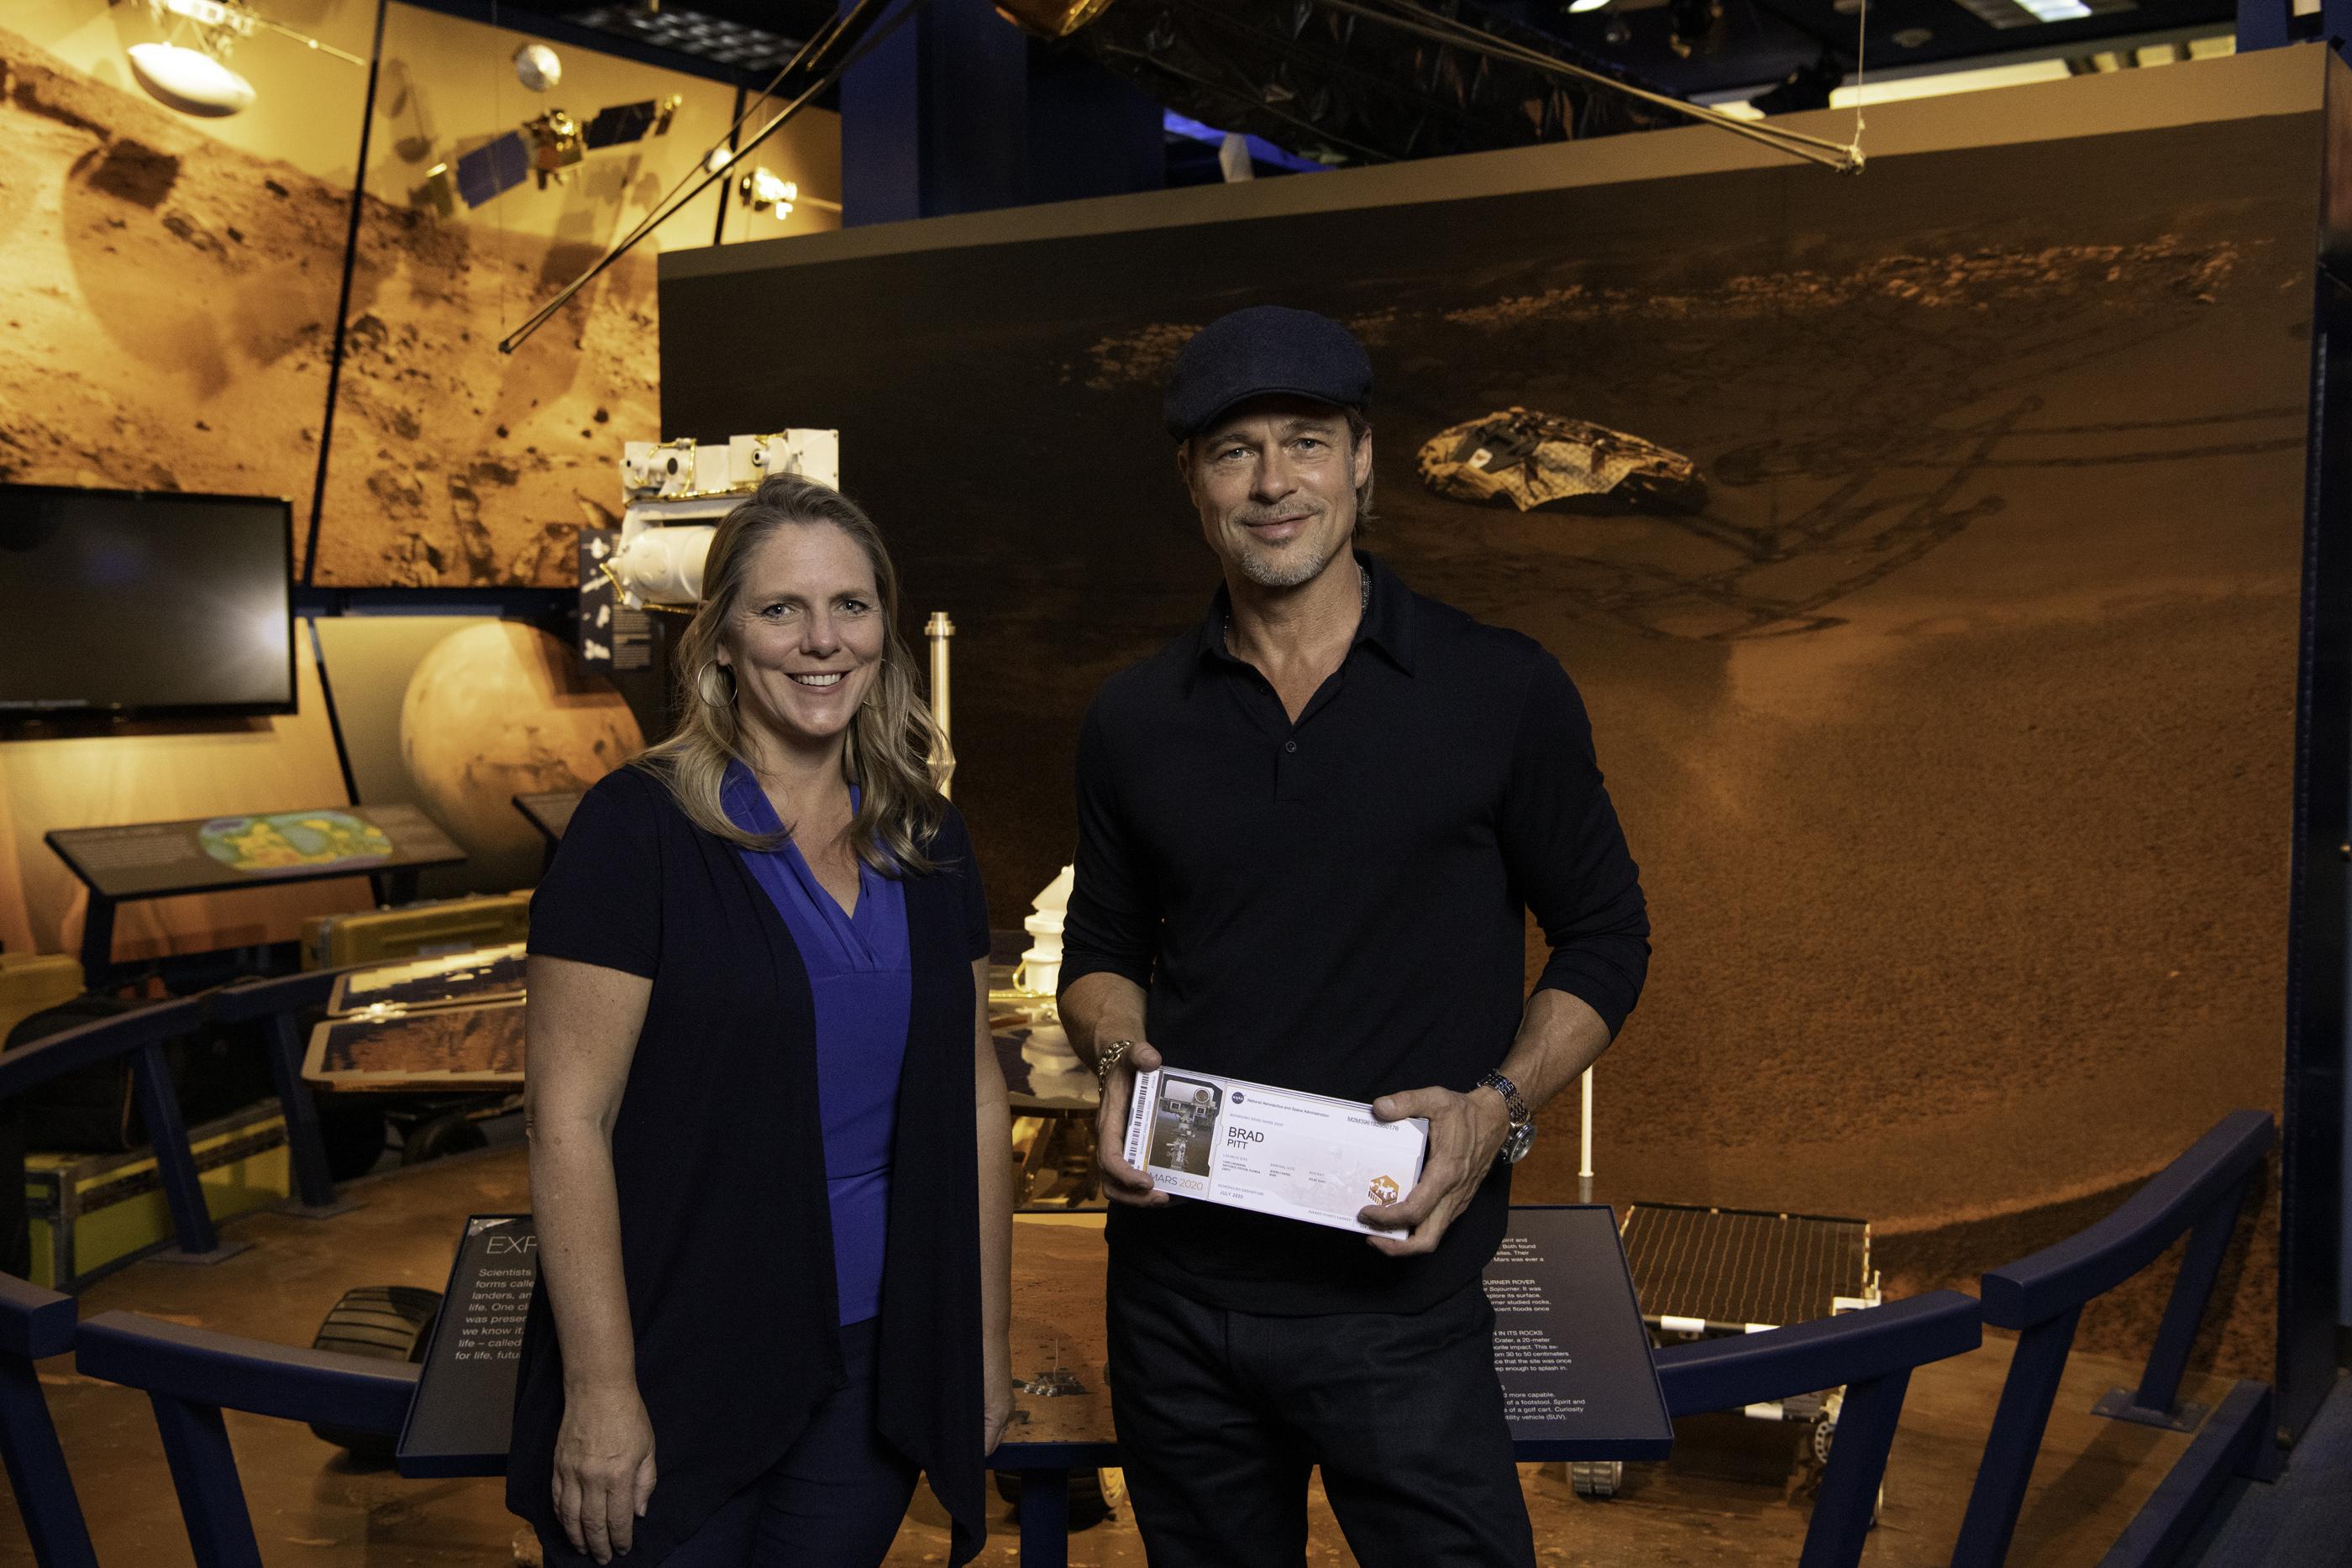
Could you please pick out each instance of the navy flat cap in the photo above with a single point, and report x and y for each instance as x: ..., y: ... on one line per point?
x: 1264, y: 350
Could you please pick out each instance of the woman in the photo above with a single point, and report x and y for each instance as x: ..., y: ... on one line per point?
x: 769, y: 1142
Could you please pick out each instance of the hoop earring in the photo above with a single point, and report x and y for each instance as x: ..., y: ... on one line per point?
x: 702, y: 685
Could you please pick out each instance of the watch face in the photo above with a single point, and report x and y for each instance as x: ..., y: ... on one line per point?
x: 1517, y: 1141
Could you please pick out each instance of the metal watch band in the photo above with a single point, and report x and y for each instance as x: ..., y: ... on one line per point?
x: 1513, y: 1105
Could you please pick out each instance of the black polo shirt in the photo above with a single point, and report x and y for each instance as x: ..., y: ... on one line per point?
x: 1339, y: 905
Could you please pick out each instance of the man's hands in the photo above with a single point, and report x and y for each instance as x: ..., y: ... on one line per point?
x: 603, y: 1469
x: 1465, y: 1131
x: 1121, y: 1182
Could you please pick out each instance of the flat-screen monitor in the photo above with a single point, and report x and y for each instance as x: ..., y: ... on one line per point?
x: 135, y: 604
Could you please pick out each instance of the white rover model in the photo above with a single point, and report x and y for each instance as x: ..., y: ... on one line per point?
x: 675, y: 492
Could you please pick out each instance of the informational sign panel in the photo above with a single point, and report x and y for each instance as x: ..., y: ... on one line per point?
x: 613, y: 637
x: 1570, y: 1345
x: 209, y: 855
x: 549, y: 811
x: 485, y: 974
x: 462, y: 1415
x: 462, y: 1047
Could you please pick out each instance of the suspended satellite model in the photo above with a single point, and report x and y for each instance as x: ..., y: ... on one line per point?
x: 545, y: 148
x: 198, y: 80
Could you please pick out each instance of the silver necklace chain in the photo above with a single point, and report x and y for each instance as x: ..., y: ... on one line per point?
x: 1363, y: 602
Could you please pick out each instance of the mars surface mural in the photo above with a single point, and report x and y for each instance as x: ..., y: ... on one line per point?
x: 217, y: 383
x: 169, y: 296
x: 1942, y: 661
x: 451, y: 463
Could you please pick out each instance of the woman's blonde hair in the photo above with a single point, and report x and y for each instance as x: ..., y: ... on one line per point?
x: 893, y: 746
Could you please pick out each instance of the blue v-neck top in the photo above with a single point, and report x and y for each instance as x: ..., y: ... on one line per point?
x: 862, y: 979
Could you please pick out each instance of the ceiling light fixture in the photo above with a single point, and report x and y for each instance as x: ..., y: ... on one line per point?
x: 1578, y: 7
x: 2007, y: 14
x: 689, y: 32
x: 765, y: 191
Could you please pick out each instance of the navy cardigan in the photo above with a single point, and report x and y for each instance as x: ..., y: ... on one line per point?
x: 718, y: 1157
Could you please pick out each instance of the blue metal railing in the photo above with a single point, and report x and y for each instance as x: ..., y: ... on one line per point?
x: 1872, y: 1353
x: 1043, y: 1511
x: 35, y: 1323
x: 278, y: 1000
x: 2042, y: 1297
x: 190, y: 1375
x: 143, y: 1034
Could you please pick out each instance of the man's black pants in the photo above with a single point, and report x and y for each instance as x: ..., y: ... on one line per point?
x: 1222, y: 1414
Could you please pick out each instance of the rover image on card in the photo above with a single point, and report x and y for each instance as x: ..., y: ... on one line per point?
x: 1183, y: 1124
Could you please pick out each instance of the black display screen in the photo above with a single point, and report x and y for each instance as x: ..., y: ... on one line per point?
x: 129, y: 602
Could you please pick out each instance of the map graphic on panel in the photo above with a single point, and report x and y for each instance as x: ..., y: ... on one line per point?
x: 293, y: 840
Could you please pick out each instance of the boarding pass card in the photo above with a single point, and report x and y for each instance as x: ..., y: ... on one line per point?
x: 1250, y: 1145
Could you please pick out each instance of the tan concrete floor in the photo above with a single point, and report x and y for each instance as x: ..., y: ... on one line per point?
x: 1721, y: 1501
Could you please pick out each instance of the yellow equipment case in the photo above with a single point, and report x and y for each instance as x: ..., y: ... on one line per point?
x: 415, y: 930
x: 92, y: 1212
x: 33, y: 982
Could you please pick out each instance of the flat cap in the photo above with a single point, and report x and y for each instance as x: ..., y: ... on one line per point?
x: 1264, y: 350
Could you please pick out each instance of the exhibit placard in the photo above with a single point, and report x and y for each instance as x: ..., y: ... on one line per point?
x: 466, y: 1046
x: 549, y: 811
x: 613, y: 637
x: 211, y: 855
x: 462, y: 1415
x: 484, y: 974
x: 1571, y: 1348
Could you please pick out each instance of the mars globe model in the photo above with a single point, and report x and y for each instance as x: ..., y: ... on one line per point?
x: 502, y: 709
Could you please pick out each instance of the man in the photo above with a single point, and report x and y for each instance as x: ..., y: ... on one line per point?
x: 1309, y: 831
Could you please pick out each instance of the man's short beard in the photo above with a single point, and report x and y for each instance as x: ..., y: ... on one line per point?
x: 1285, y: 571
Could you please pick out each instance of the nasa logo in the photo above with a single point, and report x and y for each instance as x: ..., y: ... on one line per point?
x: 1383, y: 1190
x: 1237, y: 1096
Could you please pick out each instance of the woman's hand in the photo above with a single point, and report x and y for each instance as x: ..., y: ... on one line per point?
x: 603, y: 1469
x: 996, y: 1400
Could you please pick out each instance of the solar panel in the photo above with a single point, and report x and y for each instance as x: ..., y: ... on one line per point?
x: 490, y: 171
x: 622, y: 122
x: 1729, y: 1268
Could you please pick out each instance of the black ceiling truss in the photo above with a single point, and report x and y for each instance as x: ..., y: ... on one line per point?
x: 1341, y: 88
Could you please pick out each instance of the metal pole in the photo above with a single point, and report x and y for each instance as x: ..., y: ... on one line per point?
x: 938, y: 629
x: 1585, y: 1168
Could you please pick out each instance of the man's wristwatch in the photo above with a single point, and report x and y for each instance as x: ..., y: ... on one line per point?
x: 1522, y: 1135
